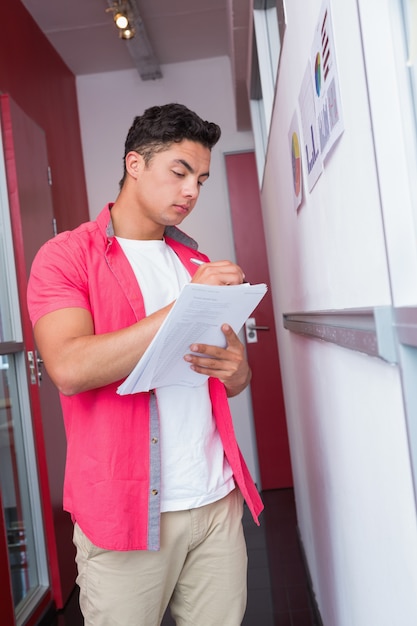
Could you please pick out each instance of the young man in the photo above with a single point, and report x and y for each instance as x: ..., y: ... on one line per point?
x: 154, y: 481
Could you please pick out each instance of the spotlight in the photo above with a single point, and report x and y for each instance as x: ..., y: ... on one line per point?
x: 121, y: 20
x: 127, y: 33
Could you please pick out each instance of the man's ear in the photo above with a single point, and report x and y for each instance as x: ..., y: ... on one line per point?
x: 134, y: 163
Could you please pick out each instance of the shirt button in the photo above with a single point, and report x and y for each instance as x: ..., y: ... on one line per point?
x: 154, y: 492
x: 154, y: 439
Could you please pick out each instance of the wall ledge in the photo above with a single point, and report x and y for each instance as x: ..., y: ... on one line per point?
x: 369, y: 330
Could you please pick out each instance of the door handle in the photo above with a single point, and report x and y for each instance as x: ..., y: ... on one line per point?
x: 32, y: 367
x: 254, y: 327
x: 35, y: 365
x: 251, y: 329
x: 39, y: 363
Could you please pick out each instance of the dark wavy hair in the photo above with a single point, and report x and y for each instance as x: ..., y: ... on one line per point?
x: 161, y: 126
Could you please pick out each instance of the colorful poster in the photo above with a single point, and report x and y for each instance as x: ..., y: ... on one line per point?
x: 310, y: 145
x: 326, y: 82
x: 296, y: 162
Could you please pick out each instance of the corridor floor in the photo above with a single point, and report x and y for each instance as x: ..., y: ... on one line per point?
x: 277, y: 582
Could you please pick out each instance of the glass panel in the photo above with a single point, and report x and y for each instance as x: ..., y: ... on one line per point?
x: 409, y: 16
x: 18, y: 465
x: 5, y: 315
x: 404, y: 27
x: 15, y: 487
x: 269, y: 28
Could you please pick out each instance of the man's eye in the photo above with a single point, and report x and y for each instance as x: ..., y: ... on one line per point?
x: 180, y: 174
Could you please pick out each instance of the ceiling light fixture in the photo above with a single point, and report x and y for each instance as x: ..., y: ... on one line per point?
x: 127, y: 33
x: 123, y: 18
x: 121, y: 21
x: 132, y: 29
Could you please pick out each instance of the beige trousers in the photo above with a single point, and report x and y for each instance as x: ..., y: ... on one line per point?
x: 200, y: 571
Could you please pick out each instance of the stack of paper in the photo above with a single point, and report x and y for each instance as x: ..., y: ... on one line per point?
x: 196, y: 317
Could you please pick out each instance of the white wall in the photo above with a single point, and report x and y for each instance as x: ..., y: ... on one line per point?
x: 107, y: 105
x: 347, y: 428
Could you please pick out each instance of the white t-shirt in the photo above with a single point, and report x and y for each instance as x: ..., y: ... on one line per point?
x: 194, y: 470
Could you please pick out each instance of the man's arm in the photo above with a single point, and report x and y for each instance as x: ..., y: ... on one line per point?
x: 78, y: 360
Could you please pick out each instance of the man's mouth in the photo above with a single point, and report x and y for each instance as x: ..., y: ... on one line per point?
x: 182, y: 207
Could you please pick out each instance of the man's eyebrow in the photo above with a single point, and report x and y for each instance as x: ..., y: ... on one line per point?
x: 189, y: 168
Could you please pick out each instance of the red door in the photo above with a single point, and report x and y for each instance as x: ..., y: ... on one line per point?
x: 32, y: 224
x: 266, y: 388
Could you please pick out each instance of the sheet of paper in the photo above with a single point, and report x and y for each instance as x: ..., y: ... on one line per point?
x: 196, y: 317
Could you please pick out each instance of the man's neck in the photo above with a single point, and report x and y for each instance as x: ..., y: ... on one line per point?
x: 130, y: 226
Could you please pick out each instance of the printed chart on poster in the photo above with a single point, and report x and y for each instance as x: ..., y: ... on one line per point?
x: 326, y: 82
x: 320, y: 109
x: 310, y: 145
x: 296, y: 161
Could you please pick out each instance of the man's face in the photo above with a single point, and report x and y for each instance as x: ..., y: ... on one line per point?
x: 166, y: 190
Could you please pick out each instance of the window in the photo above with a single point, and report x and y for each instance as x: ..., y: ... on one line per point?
x: 268, y: 33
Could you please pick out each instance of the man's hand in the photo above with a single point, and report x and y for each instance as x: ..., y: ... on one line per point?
x: 219, y: 273
x: 228, y: 364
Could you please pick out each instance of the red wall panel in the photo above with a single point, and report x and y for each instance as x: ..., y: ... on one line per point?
x: 39, y: 82
x: 42, y: 85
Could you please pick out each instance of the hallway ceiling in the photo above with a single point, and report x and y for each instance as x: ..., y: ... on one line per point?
x: 85, y: 37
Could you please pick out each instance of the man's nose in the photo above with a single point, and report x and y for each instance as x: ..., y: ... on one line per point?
x: 191, y: 188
